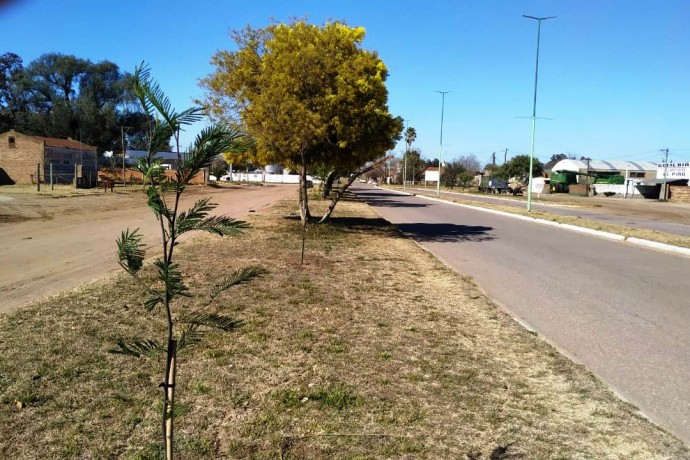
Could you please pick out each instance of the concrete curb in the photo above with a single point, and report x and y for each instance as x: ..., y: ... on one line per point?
x: 574, y: 228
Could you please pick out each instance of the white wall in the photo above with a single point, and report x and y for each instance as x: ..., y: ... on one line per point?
x: 271, y: 178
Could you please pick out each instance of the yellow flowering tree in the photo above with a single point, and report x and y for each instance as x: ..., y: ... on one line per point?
x: 307, y: 94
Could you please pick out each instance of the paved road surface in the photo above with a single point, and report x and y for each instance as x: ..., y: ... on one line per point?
x: 621, y: 310
x: 679, y: 227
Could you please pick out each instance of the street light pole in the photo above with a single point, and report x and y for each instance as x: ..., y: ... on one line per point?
x: 534, y: 111
x: 440, y: 152
x: 124, y: 181
x: 664, y: 193
x: 407, y: 151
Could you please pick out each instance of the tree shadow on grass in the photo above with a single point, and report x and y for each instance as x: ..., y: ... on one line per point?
x: 446, y: 233
x: 364, y: 225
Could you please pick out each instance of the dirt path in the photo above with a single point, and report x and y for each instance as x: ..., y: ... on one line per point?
x: 48, y: 245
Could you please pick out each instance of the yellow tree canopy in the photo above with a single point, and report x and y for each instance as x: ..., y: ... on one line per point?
x: 306, y: 93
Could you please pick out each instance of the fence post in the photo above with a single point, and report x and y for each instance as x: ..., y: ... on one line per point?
x: 38, y: 177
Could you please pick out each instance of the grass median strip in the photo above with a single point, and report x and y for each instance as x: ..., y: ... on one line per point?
x: 372, y: 349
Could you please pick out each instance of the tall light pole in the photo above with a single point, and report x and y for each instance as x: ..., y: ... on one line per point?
x: 407, y: 148
x: 440, y: 152
x: 122, y: 130
x: 534, y: 111
x: 664, y: 188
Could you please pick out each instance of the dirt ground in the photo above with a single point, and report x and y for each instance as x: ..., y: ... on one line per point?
x: 56, y: 240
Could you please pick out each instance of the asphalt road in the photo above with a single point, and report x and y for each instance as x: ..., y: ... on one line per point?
x: 595, y: 214
x: 623, y: 311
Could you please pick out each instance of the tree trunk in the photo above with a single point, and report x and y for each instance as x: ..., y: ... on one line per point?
x: 337, y: 197
x: 169, y: 398
x: 349, y: 182
x: 328, y: 184
x: 303, y: 196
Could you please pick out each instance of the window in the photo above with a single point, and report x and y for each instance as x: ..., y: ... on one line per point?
x: 11, y: 143
x: 636, y: 174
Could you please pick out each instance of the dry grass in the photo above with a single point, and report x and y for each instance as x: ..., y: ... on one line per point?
x: 372, y: 349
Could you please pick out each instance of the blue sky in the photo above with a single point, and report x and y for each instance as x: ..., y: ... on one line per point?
x: 613, y: 75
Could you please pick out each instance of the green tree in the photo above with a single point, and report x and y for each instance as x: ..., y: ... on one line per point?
x: 410, y: 137
x: 307, y: 94
x: 61, y: 95
x: 11, y: 69
x: 163, y: 199
x: 518, y: 166
x: 451, y: 173
x: 465, y: 178
x: 415, y: 165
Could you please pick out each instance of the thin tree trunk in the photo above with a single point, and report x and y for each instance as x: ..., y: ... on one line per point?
x: 303, y: 196
x: 349, y: 182
x: 169, y: 401
x: 328, y: 184
x: 304, y: 240
x: 337, y: 197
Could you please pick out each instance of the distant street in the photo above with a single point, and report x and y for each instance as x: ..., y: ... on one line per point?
x: 676, y: 218
x: 621, y: 310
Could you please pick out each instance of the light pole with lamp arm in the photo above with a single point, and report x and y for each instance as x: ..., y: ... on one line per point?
x: 534, y: 110
x: 440, y: 152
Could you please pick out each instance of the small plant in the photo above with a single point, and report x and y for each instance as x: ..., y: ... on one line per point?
x: 164, y: 194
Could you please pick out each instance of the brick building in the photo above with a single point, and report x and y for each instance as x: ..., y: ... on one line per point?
x: 20, y: 154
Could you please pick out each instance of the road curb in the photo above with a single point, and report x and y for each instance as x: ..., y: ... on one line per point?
x: 574, y: 228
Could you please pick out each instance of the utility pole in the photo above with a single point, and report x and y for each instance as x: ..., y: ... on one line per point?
x: 664, y: 190
x: 440, y: 153
x: 124, y: 180
x: 493, y: 158
x: 534, y: 111
x: 505, y: 156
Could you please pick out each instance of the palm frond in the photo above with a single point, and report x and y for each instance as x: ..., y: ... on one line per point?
x: 160, y: 137
x: 151, y: 169
x: 209, y: 143
x: 240, y: 276
x: 130, y: 251
x: 142, y: 75
x: 221, y: 225
x: 155, y: 203
x: 171, y: 276
x: 154, y: 299
x: 187, y: 220
x: 196, y: 219
x: 138, y: 348
x: 190, y: 115
x: 222, y: 322
x: 190, y: 336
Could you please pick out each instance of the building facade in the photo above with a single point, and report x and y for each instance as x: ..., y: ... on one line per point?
x: 23, y: 157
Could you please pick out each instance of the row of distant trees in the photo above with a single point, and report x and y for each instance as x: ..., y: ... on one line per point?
x: 58, y: 95
x: 459, y: 171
